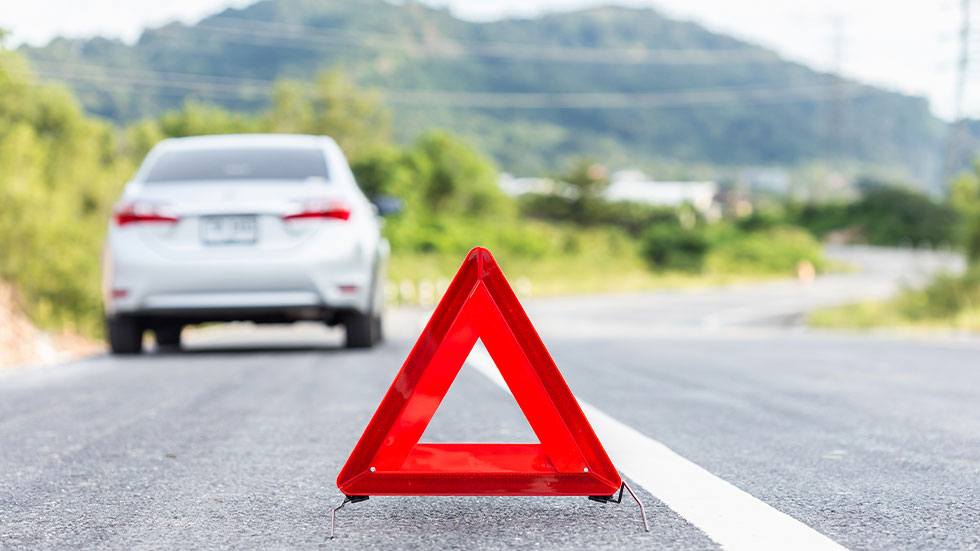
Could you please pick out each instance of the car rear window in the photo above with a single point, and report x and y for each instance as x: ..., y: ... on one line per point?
x: 238, y: 164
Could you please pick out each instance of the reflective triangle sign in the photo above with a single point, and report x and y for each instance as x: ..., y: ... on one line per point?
x: 389, y: 460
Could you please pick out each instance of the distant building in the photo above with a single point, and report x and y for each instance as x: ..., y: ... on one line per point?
x: 633, y: 185
x: 763, y: 180
x: 626, y: 185
x: 520, y: 186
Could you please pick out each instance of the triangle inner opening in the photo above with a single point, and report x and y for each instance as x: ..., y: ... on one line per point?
x: 475, y: 410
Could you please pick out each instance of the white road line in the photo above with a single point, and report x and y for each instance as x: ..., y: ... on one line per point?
x: 729, y: 516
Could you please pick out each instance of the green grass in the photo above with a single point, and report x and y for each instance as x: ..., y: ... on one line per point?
x: 861, y: 315
x: 948, y: 302
x: 885, y: 314
x: 561, y: 259
x: 567, y: 275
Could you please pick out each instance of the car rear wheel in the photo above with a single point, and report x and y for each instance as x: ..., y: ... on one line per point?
x: 363, y: 330
x: 168, y: 336
x: 378, y: 326
x: 125, y: 335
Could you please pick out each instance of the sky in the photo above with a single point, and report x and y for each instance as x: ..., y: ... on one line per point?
x: 909, y: 45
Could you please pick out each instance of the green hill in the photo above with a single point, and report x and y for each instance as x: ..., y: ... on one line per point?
x: 627, y: 86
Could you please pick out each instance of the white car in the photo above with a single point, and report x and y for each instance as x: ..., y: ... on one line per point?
x: 266, y: 228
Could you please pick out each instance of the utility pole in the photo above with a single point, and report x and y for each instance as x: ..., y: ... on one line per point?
x: 954, y: 137
x: 963, y: 65
x: 837, y: 90
x: 835, y: 147
x: 833, y: 136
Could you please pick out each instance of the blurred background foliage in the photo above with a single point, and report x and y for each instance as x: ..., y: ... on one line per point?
x: 886, y: 214
x: 890, y: 215
x: 61, y: 170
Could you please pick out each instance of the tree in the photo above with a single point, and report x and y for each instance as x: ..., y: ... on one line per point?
x: 60, y: 171
x: 892, y: 215
x: 353, y: 116
x: 454, y: 178
x: 964, y: 192
x: 385, y: 171
x: 196, y: 118
x: 291, y: 110
x: 587, y: 181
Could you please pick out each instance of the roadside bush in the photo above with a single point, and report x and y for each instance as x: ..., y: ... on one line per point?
x: 546, y: 206
x: 670, y: 247
x: 964, y: 196
x: 724, y: 248
x: 776, y: 250
x: 759, y: 221
x: 892, y: 216
x: 944, y: 297
x: 635, y: 218
x: 885, y: 215
x: 455, y: 235
x: 383, y: 171
x: 972, y: 238
x: 821, y: 218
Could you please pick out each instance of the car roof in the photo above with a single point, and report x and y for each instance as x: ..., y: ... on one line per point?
x: 244, y: 140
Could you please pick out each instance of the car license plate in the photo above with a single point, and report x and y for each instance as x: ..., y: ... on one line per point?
x: 228, y: 230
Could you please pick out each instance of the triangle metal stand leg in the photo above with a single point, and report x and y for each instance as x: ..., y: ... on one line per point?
x: 333, y: 514
x: 619, y: 499
x: 600, y: 499
x: 643, y: 515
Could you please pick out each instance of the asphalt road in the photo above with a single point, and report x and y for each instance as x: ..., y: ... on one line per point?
x: 872, y: 442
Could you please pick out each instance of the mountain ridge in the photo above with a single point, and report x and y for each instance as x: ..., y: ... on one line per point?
x: 649, y: 87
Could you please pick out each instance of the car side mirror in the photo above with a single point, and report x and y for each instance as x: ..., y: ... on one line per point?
x: 387, y: 205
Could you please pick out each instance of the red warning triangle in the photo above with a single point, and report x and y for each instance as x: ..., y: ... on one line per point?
x: 479, y: 304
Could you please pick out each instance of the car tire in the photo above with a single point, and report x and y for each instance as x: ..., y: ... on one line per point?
x: 363, y: 330
x: 168, y: 336
x: 378, y: 326
x: 125, y: 335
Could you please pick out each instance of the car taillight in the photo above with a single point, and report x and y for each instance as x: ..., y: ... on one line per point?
x: 320, y: 210
x: 143, y: 213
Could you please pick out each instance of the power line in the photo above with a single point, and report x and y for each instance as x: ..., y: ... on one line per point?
x: 82, y: 71
x: 177, y: 84
x: 287, y: 35
x: 153, y: 77
x: 614, y: 100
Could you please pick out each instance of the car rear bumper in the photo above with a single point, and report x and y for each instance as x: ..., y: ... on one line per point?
x: 323, y: 279
x: 257, y: 314
x: 245, y: 300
